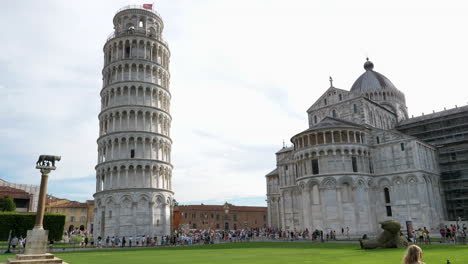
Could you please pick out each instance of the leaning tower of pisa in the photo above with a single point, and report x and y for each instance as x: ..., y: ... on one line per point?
x: 134, y: 173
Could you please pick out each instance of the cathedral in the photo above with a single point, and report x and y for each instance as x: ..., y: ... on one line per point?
x: 351, y: 168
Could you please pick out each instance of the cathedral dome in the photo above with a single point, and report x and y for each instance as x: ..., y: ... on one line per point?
x: 371, y: 80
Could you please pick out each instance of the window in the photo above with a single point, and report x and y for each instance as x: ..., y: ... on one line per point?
x: 334, y: 113
x: 212, y: 216
x: 286, y: 167
x: 378, y: 140
x: 127, y: 52
x: 387, y: 195
x: 235, y: 226
x: 217, y: 217
x: 132, y: 153
x: 315, y: 119
x: 194, y: 226
x: 384, y: 96
x: 72, y: 219
x: 185, y: 216
x: 453, y: 156
x: 217, y: 226
x: 325, y: 101
x: 57, y: 211
x: 315, y: 167
x: 354, y: 163
x: 234, y: 217
x: 83, y: 210
x: 72, y: 210
x: 371, y: 167
x: 110, y: 214
x: 83, y: 219
x: 355, y: 108
x: 402, y: 146
x: 389, y: 210
x: 264, y: 217
x: 340, y: 97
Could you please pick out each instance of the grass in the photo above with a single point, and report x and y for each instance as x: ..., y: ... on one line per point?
x: 263, y: 252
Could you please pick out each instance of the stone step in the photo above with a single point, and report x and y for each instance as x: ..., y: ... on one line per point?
x: 35, y: 261
x: 35, y: 256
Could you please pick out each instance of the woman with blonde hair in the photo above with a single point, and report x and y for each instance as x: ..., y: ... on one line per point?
x: 413, y: 255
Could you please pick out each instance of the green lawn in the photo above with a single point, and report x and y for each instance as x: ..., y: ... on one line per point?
x: 264, y: 252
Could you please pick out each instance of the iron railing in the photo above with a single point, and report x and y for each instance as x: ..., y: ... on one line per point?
x: 137, y: 32
x: 138, y: 7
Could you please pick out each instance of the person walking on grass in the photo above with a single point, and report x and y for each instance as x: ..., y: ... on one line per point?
x: 14, y: 242
x: 413, y: 255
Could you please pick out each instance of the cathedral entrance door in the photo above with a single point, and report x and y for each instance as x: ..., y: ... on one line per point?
x: 226, y: 226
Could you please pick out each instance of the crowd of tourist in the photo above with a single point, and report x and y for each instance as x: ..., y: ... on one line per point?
x: 193, y: 237
x: 449, y: 234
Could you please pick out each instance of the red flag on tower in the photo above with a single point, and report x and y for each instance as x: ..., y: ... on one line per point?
x: 148, y: 6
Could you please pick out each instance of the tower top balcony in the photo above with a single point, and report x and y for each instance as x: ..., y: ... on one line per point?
x: 136, y: 20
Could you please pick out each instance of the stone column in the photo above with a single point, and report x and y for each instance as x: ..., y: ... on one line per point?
x: 42, y: 198
x: 306, y: 204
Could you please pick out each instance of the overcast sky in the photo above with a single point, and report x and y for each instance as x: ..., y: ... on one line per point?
x: 243, y: 73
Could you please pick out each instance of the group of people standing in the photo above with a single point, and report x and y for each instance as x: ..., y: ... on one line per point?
x: 18, y: 242
x: 453, y: 233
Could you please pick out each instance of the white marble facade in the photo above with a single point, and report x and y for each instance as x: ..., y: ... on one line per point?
x: 134, y: 172
x: 351, y: 168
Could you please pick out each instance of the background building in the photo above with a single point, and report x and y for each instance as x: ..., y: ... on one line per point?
x: 448, y: 132
x: 24, y: 195
x: 352, y: 168
x: 219, y: 217
x: 77, y: 215
x: 134, y: 171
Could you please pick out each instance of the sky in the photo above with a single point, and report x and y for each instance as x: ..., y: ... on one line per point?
x: 243, y: 74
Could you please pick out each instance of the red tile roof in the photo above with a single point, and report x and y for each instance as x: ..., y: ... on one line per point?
x: 14, y: 193
x: 221, y: 208
x: 70, y: 204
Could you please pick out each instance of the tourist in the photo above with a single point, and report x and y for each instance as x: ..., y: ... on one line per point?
x: 108, y: 241
x: 420, y: 236
x: 454, y: 233
x: 21, y: 242
x: 442, y: 234
x: 123, y: 241
x: 413, y: 255
x: 99, y: 242
x: 130, y: 241
x: 14, y: 242
x: 426, y: 236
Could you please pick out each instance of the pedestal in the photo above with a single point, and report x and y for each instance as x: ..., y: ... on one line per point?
x: 36, y: 241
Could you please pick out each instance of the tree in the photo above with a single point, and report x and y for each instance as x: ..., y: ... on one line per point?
x: 7, y: 204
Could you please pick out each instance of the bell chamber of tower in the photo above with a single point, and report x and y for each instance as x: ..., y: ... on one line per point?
x: 134, y: 194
